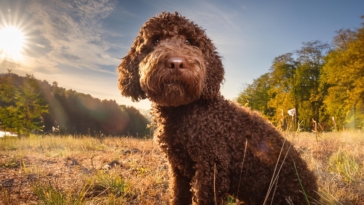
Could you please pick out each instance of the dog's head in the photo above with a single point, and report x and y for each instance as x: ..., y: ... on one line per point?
x: 172, y: 62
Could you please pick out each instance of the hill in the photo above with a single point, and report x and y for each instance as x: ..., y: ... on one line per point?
x: 31, y: 105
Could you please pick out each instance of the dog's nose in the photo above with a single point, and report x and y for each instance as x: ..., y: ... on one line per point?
x: 176, y: 63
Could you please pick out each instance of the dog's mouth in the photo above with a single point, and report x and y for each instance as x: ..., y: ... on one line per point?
x: 173, y: 82
x: 172, y: 90
x: 174, y: 87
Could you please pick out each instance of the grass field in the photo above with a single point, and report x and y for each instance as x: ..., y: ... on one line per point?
x: 67, y: 170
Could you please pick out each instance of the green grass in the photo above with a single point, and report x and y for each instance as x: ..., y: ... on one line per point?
x: 49, y: 195
x: 103, y: 184
x: 345, y: 165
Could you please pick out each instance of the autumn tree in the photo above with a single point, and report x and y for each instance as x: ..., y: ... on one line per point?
x: 309, y: 91
x: 283, y: 90
x: 292, y: 84
x: 322, y: 83
x: 344, y: 72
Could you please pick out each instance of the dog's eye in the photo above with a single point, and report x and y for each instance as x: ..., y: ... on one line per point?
x: 188, y: 42
x: 156, y: 42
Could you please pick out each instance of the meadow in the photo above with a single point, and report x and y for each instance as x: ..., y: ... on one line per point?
x: 84, y: 170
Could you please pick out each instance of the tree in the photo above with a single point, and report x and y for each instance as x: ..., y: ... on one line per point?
x: 24, y: 104
x: 344, y: 72
x: 292, y: 84
x: 256, y: 96
x: 30, y: 107
x: 309, y: 90
x: 283, y: 90
x: 321, y: 84
x: 8, y: 93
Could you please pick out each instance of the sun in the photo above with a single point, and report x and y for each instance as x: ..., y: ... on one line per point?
x: 12, y: 42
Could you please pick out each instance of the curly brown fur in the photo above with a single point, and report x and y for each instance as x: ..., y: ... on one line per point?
x: 215, y: 148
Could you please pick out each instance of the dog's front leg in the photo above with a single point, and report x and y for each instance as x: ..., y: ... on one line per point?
x: 180, y: 188
x: 210, y: 184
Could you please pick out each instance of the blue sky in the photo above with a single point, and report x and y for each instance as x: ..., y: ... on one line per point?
x: 79, y: 43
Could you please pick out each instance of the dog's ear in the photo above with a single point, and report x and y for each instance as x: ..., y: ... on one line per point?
x: 214, y: 70
x: 128, y: 71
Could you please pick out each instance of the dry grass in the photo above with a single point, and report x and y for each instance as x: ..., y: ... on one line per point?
x: 337, y: 160
x: 67, y: 170
x: 86, y: 170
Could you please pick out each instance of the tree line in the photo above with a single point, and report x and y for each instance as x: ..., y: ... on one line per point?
x: 29, y: 105
x: 318, y: 87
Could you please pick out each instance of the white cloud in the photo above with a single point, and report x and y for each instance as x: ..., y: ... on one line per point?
x: 74, y: 32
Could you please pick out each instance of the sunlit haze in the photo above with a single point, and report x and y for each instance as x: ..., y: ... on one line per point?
x: 80, y: 43
x: 11, y: 43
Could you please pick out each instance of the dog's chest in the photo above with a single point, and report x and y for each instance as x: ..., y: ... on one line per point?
x: 177, y: 144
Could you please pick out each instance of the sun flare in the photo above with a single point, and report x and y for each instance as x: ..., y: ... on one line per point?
x: 12, y: 41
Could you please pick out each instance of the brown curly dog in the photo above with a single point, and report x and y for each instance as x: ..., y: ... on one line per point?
x: 215, y: 147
